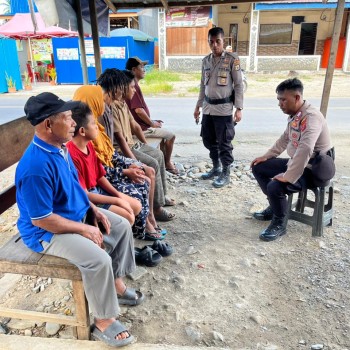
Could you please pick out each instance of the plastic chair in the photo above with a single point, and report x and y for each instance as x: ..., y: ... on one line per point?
x: 31, y: 75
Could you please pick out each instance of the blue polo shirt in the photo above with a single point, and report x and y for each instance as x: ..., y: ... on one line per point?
x: 46, y: 182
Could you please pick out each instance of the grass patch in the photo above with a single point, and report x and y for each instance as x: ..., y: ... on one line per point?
x: 157, y: 88
x: 193, y: 89
x: 156, y: 76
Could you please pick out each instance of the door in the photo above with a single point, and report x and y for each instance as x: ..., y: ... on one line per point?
x: 233, y: 36
x: 307, y: 41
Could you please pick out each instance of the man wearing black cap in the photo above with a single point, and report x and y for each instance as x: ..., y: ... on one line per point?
x: 56, y: 217
x: 306, y: 136
x: 139, y: 110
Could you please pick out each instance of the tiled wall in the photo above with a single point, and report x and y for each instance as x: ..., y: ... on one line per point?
x: 275, y: 63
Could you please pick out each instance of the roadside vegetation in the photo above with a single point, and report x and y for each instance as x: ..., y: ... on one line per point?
x: 165, y: 82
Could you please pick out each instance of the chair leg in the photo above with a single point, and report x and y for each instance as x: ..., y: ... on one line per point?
x: 317, y: 228
x: 82, y: 311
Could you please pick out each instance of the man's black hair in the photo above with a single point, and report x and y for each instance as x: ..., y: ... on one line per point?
x: 112, y: 80
x: 80, y: 116
x: 216, y: 31
x: 290, y: 84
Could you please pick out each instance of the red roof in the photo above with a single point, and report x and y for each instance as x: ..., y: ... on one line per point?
x: 21, y: 27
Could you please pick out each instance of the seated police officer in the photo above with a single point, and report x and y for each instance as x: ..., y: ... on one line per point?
x: 306, y: 135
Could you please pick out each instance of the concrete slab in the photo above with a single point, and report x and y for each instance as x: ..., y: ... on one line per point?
x: 16, y: 342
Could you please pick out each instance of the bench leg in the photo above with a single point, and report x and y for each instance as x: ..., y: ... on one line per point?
x: 82, y: 311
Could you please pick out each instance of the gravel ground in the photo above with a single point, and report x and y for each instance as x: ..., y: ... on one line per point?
x: 223, y: 286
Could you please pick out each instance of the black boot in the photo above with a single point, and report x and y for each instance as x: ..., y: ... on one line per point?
x: 277, y: 228
x: 215, y: 171
x: 265, y: 215
x: 223, y: 179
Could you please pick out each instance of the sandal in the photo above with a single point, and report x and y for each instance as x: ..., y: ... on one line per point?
x: 131, y: 296
x: 109, y: 335
x: 173, y: 171
x: 152, y: 236
x: 164, y: 249
x: 160, y: 230
x: 164, y: 215
x: 147, y: 256
x: 169, y: 202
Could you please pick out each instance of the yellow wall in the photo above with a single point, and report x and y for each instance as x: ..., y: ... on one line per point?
x: 228, y: 16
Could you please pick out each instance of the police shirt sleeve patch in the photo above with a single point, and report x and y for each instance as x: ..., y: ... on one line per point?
x: 236, y: 64
x: 303, y: 124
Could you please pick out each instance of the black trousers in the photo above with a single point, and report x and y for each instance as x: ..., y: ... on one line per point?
x: 217, y: 134
x: 277, y: 191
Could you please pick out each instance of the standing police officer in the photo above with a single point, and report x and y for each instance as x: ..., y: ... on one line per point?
x: 221, y: 88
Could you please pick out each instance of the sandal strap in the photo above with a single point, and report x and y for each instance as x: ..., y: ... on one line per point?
x: 130, y: 293
x: 116, y: 328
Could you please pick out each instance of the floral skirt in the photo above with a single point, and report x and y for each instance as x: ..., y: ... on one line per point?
x: 124, y: 185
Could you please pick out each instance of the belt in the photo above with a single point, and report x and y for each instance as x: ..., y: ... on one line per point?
x: 218, y: 101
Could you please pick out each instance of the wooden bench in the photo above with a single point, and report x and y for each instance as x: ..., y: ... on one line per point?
x: 16, y: 258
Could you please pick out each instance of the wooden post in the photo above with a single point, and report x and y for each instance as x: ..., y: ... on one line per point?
x: 82, y: 43
x: 332, y: 56
x: 81, y: 310
x: 95, y: 38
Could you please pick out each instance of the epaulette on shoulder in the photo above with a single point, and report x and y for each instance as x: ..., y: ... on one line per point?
x: 232, y: 54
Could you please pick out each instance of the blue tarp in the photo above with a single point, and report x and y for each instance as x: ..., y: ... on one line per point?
x: 9, y: 64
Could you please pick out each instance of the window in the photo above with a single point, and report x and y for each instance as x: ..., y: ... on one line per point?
x: 275, y: 34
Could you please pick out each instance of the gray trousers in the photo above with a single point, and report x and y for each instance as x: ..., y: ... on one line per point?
x: 99, y: 268
x: 154, y: 158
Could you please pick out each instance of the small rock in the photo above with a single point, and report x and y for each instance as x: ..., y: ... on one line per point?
x: 49, y: 280
x: 52, y: 328
x: 316, y: 346
x: 28, y: 333
x: 191, y: 250
x: 2, y: 330
x: 218, y: 336
x: 193, y: 334
x: 257, y: 319
x: 138, y: 273
x: 180, y: 167
x: 175, y: 278
x: 302, y: 342
x: 322, y: 245
x: 67, y: 333
x: 36, y: 289
x: 184, y: 203
x: 42, y: 288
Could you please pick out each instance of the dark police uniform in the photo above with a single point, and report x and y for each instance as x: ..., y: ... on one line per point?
x: 220, y: 76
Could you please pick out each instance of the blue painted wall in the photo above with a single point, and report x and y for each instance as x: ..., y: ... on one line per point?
x: 9, y: 63
x: 21, y: 6
x: 69, y: 71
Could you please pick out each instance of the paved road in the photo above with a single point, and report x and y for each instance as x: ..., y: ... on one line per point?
x: 260, y: 114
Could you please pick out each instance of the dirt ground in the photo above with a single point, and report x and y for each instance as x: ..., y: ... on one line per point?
x: 223, y: 286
